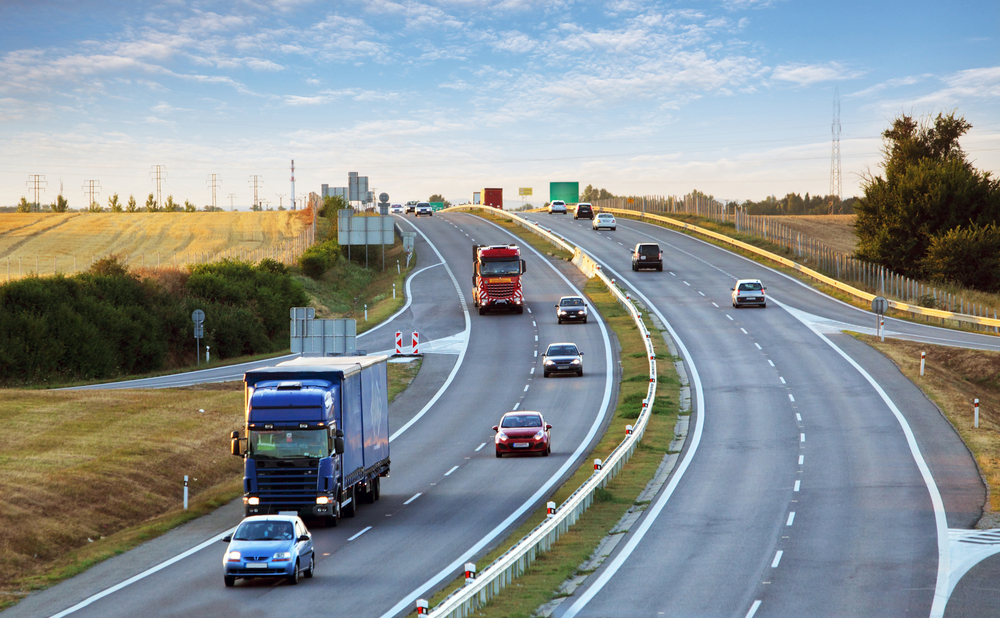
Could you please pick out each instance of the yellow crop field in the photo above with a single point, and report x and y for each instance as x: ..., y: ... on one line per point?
x: 67, y: 242
x: 835, y: 231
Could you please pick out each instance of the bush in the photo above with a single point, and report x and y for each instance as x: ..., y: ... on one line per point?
x: 968, y: 256
x: 319, y: 258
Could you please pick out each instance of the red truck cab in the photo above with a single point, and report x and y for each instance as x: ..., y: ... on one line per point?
x: 496, y: 278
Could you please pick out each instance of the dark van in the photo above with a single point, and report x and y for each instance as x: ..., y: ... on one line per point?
x: 583, y: 211
x: 647, y: 255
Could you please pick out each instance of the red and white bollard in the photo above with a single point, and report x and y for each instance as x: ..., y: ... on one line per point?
x: 976, y: 407
x: 628, y: 428
x: 470, y: 572
x: 421, y: 607
x: 922, y: 355
x: 399, y: 342
x: 416, y: 336
x: 597, y: 464
x: 550, y: 509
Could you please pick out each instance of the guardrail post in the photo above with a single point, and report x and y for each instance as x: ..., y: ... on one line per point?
x: 421, y: 607
x: 597, y: 463
x: 470, y: 572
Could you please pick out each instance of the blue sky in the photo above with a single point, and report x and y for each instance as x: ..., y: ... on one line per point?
x: 730, y: 97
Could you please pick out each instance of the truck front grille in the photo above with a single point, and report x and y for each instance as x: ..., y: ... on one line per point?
x: 286, y: 485
x: 500, y: 290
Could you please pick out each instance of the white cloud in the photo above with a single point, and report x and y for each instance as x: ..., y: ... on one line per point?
x: 808, y: 74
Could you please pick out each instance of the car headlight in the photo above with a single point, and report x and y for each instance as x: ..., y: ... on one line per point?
x: 282, y: 556
x: 548, y: 362
x: 233, y: 556
x: 540, y: 434
x: 322, y: 500
x: 562, y: 312
x: 502, y: 435
x: 253, y: 501
x: 576, y: 361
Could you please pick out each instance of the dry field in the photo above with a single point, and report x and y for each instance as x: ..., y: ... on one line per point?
x: 835, y: 231
x: 57, y: 239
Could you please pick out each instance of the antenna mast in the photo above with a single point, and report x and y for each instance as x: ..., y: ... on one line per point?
x: 836, y: 184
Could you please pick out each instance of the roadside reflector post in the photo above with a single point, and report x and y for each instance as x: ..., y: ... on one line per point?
x: 922, y: 356
x: 186, y: 476
x: 366, y: 312
x: 550, y: 509
x: 597, y: 464
x: 628, y: 428
x: 399, y: 342
x: 470, y: 572
x: 974, y: 424
x: 421, y: 607
x: 208, y: 354
x: 881, y: 329
x: 394, y: 289
x: 416, y: 336
x: 645, y: 402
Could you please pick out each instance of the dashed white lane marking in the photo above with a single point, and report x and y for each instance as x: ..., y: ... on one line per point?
x: 798, y: 417
x: 671, y: 273
x: 526, y: 387
x: 533, y: 323
x: 791, y: 518
x: 798, y: 485
x: 360, y: 533
x: 702, y: 293
x: 621, y: 244
x: 532, y: 371
x: 753, y: 609
x: 802, y: 459
x: 536, y: 353
x: 480, y: 447
x: 687, y: 284
x: 729, y: 316
x: 714, y: 305
x: 744, y: 331
x: 448, y: 473
x: 770, y: 362
x: 777, y: 559
x: 802, y: 437
x: 536, y: 337
x: 758, y: 346
x: 529, y: 309
x: 790, y: 397
x: 782, y: 379
x: 412, y: 499
x: 517, y: 404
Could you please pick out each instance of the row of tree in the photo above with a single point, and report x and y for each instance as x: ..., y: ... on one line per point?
x: 116, y: 205
x: 795, y: 204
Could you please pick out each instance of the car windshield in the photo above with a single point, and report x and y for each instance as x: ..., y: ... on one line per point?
x: 512, y: 422
x: 571, y: 302
x: 561, y: 350
x: 264, y: 531
x: 288, y: 443
x: 649, y: 249
x: 605, y: 217
x: 750, y: 287
x: 496, y: 269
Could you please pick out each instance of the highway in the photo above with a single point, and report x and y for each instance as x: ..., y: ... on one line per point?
x: 447, y: 499
x: 803, y: 496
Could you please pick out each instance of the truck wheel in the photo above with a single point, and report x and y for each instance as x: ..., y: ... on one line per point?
x: 351, y: 509
x: 293, y: 579
x: 230, y: 581
x: 482, y: 310
x: 308, y: 573
x: 377, y: 489
x: 519, y: 310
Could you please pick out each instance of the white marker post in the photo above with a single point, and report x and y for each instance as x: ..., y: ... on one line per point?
x: 922, y: 356
x: 208, y: 355
x: 976, y: 413
x: 186, y: 488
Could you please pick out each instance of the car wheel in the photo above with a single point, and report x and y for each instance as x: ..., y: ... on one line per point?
x: 580, y: 373
x: 545, y: 453
x: 659, y: 268
x: 584, y: 320
x: 545, y: 374
x: 633, y: 268
x: 430, y: 214
x: 230, y: 581
x: 499, y: 455
x: 351, y: 509
x: 560, y: 320
x: 764, y: 306
x: 293, y: 579
x: 308, y: 573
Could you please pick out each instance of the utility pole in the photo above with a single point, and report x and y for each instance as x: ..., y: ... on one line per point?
x: 293, y: 184
x: 231, y: 196
x: 836, y: 183
x: 281, y: 196
x: 255, y: 181
x: 158, y: 173
x: 37, y: 182
x: 214, y: 182
x: 91, y: 187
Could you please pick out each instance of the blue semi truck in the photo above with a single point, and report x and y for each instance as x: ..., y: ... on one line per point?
x: 316, y: 438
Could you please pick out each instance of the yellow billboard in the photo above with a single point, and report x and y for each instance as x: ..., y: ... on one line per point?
x: 524, y: 191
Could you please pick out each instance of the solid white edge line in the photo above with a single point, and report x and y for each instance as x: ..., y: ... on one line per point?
x: 448, y: 473
x: 461, y: 354
x: 753, y: 609
x: 359, y: 534
x: 695, y: 439
x: 450, y: 570
x: 777, y: 559
x: 144, y: 574
x: 940, y: 515
x: 415, y: 496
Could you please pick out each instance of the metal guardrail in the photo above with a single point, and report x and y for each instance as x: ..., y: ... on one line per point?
x: 512, y: 563
x: 853, y: 291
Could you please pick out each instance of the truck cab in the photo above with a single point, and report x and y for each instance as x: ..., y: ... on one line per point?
x: 496, y: 278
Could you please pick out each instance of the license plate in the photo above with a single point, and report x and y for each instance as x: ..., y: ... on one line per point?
x: 521, y: 445
x: 256, y: 565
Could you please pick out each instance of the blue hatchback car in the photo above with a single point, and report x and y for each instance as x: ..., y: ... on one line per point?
x: 269, y: 546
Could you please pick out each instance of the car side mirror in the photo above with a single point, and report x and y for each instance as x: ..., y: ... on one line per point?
x: 763, y: 288
x: 547, y: 426
x: 227, y: 538
x: 338, y: 446
x: 581, y: 353
x: 496, y: 428
x: 731, y: 289
x: 303, y: 538
x: 234, y: 447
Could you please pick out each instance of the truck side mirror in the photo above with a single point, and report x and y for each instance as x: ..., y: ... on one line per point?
x: 234, y: 447
x: 338, y: 446
x: 235, y: 435
x: 339, y: 433
x: 524, y: 267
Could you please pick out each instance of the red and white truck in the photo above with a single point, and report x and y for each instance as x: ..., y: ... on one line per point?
x: 496, y: 278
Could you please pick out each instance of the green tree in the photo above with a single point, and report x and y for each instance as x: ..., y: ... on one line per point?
x: 24, y: 205
x: 929, y: 190
x: 61, y: 205
x: 189, y: 207
x: 151, y: 203
x: 113, y: 204
x: 132, y: 206
x: 94, y: 207
x: 967, y: 256
x: 437, y: 197
x: 591, y: 195
x: 171, y: 205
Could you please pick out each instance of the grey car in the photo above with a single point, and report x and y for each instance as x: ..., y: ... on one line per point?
x: 269, y: 546
x: 424, y: 208
x: 562, y: 358
x: 748, y: 293
x: 570, y: 308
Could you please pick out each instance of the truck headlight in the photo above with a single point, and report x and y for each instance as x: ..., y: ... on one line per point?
x: 253, y: 501
x: 322, y: 500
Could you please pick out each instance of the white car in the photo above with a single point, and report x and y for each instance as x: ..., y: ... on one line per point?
x: 396, y: 209
x: 748, y: 292
x: 604, y: 220
x: 424, y: 208
x: 557, y: 206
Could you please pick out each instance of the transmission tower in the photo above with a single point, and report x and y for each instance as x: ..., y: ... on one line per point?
x: 293, y: 184
x: 836, y: 184
x: 213, y: 181
x: 255, y: 181
x: 37, y: 183
x: 91, y: 187
x: 159, y: 172
x: 231, y: 196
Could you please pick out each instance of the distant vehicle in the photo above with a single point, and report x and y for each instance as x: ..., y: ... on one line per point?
x: 424, y: 208
x: 557, y: 206
x: 748, y: 293
x: 396, y: 209
x: 647, y: 255
x: 583, y: 211
x: 269, y: 546
x: 571, y: 308
x: 562, y: 358
x: 523, y: 432
x: 604, y: 220
x: 493, y: 197
x: 496, y: 278
x: 411, y: 206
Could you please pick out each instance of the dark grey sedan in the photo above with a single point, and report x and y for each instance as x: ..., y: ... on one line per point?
x: 562, y: 358
x: 570, y: 308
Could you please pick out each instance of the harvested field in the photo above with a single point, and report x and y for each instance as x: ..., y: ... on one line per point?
x: 835, y: 231
x: 56, y: 241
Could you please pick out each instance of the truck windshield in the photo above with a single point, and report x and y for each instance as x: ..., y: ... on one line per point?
x: 288, y: 443
x: 497, y: 269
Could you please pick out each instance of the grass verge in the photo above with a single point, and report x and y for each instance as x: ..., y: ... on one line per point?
x: 953, y: 378
x: 88, y: 475
x: 540, y: 584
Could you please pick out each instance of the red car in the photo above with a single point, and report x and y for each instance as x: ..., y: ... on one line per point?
x: 523, y: 432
